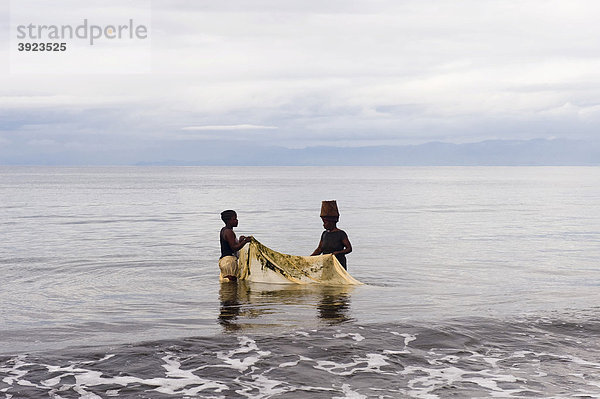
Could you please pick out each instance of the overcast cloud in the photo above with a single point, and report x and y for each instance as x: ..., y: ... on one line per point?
x: 303, y: 73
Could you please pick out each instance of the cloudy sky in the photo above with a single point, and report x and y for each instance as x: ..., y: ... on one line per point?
x: 298, y: 73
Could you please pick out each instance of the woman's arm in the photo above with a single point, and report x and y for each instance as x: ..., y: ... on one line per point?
x: 347, y: 247
x: 318, y: 250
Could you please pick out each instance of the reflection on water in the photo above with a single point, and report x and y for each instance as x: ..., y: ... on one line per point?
x: 244, y: 301
x: 230, y: 306
x: 334, y: 306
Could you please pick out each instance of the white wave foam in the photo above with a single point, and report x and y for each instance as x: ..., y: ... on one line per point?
x: 176, y: 382
x: 487, y: 371
x: 247, y: 345
x: 355, y: 336
x: 295, y: 363
x: 265, y: 387
x: 14, y: 373
x: 446, y: 372
x: 350, y: 394
x: 393, y: 352
x: 374, y: 362
x: 408, y: 338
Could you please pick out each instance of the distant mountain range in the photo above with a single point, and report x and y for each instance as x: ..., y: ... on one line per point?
x: 486, y: 153
x: 237, y: 153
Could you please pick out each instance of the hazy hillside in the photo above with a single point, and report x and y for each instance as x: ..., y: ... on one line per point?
x: 497, y: 152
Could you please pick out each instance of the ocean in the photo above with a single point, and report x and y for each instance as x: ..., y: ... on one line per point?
x: 478, y: 282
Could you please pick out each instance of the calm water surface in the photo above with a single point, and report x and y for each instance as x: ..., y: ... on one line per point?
x: 478, y: 282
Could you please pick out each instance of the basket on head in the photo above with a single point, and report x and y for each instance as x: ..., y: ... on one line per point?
x: 329, y: 209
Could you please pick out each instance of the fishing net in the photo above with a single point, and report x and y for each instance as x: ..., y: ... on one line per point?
x: 258, y: 263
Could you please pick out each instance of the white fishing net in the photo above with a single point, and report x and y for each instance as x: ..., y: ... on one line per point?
x: 261, y: 264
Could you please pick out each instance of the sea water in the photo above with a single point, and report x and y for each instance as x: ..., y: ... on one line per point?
x: 478, y: 282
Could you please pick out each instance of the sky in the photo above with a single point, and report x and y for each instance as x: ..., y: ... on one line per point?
x: 217, y: 75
